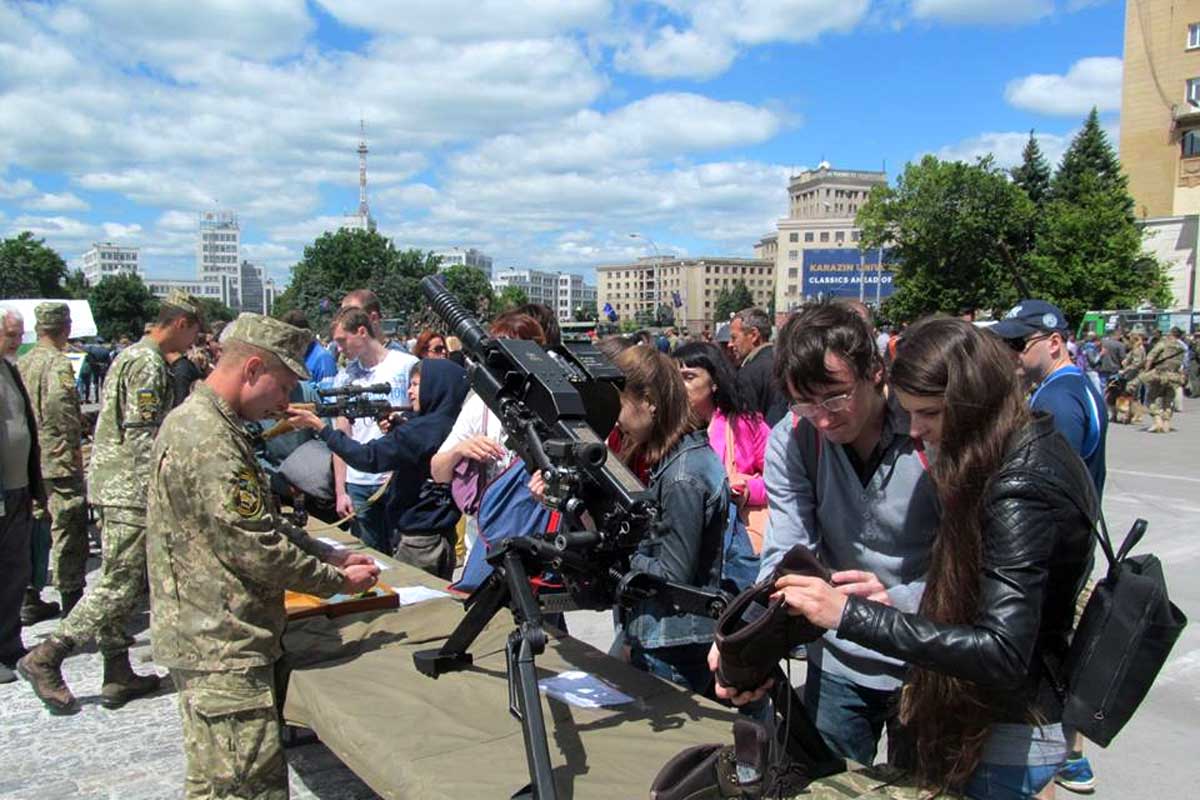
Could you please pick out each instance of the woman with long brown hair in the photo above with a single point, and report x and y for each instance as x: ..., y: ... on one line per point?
x: 979, y: 709
x: 657, y: 440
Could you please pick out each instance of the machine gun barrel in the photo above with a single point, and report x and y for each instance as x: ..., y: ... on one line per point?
x: 352, y: 390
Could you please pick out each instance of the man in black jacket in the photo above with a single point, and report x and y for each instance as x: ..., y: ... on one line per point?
x: 749, y: 336
x: 20, y: 486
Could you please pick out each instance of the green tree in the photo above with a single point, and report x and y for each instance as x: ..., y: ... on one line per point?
x: 1034, y: 173
x: 122, y: 305
x: 76, y: 286
x: 509, y: 298
x: 215, y: 311
x: 1090, y: 164
x: 28, y: 268
x: 731, y: 301
x: 472, y: 288
x: 341, y: 261
x: 586, y: 312
x: 958, y: 233
x: 1088, y: 253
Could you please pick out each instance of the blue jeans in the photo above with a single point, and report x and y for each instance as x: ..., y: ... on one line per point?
x: 849, y: 717
x: 1008, y: 782
x: 370, y: 523
x: 684, y: 664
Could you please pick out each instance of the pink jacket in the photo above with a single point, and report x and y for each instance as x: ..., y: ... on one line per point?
x: 750, y: 434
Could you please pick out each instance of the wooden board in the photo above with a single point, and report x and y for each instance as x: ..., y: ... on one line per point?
x: 301, y: 605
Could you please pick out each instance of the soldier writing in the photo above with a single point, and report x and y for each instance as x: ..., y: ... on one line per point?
x: 136, y: 397
x: 50, y: 380
x: 220, y: 558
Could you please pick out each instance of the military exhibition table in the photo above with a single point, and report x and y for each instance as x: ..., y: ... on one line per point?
x: 353, y: 683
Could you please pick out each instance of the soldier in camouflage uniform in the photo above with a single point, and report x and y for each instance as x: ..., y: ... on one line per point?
x: 136, y: 398
x: 50, y: 380
x: 220, y: 558
x: 1162, y: 374
x: 1131, y: 369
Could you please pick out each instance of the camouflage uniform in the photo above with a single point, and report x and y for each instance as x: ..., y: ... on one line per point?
x: 1163, y: 372
x: 50, y: 380
x: 1131, y: 370
x: 219, y: 558
x: 136, y: 397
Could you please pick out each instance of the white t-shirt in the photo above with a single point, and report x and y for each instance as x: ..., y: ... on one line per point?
x: 393, y: 369
x: 476, y: 419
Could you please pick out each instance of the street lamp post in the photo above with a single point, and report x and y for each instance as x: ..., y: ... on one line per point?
x: 657, y: 268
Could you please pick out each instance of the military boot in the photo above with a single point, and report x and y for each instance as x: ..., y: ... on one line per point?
x: 121, y: 684
x: 34, y: 609
x: 716, y: 772
x: 70, y: 600
x: 42, y: 667
x: 1156, y: 425
x: 756, y: 631
x: 1165, y: 425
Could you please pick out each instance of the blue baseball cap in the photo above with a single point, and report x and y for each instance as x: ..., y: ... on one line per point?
x: 1030, y: 317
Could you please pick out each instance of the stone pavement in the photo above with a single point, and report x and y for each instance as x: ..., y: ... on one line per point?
x: 134, y: 753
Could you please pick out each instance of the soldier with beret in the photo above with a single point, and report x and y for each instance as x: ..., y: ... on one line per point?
x: 220, y: 557
x: 136, y: 397
x: 50, y: 380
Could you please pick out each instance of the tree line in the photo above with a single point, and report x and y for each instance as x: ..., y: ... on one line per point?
x: 974, y: 237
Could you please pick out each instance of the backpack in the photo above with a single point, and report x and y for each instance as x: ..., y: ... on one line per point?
x: 506, y: 509
x: 1123, y: 638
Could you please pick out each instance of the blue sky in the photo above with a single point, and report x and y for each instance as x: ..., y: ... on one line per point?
x: 542, y: 132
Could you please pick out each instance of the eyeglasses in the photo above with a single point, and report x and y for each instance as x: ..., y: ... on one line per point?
x: 1021, y: 345
x: 830, y: 405
x: 441, y: 348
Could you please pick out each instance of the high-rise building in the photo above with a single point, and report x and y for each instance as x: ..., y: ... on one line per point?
x: 1160, y: 133
x: 822, y: 206
x: 688, y: 286
x: 105, y: 258
x: 251, y: 296
x: 469, y: 257
x: 161, y: 287
x: 538, y: 286
x: 361, y: 219
x: 573, y: 294
x: 218, y: 252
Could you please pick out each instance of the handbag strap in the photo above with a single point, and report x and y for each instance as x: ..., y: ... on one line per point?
x: 730, y: 464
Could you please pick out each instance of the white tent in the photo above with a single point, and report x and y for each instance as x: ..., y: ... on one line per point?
x: 82, y: 322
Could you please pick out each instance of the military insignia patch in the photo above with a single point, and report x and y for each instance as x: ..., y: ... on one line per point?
x: 247, y: 493
x: 68, y: 384
x: 147, y: 404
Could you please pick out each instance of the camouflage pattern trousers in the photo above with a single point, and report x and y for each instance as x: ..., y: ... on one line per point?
x: 104, y: 611
x: 231, y: 734
x: 68, y: 532
x: 1160, y: 396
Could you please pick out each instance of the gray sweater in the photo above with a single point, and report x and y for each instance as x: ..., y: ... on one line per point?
x: 886, y: 527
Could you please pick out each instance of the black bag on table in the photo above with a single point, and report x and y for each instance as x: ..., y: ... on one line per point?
x: 1123, y: 638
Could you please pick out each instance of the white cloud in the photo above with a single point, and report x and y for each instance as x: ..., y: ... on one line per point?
x: 720, y: 29
x: 659, y: 126
x: 1089, y: 82
x: 1007, y: 147
x: 985, y: 12
x: 49, y: 201
x: 456, y: 19
x: 117, y: 231
x: 12, y: 190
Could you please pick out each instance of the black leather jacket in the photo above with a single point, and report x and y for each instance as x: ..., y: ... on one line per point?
x: 1037, y: 551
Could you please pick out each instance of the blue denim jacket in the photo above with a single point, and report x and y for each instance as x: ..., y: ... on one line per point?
x: 692, y: 492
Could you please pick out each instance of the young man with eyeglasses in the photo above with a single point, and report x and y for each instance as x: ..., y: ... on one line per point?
x: 1037, y: 332
x: 846, y: 480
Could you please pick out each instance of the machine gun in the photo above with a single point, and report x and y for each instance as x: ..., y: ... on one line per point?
x: 355, y: 402
x: 551, y: 405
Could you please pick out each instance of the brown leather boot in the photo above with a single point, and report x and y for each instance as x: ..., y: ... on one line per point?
x: 34, y: 609
x: 42, y: 667
x: 121, y: 684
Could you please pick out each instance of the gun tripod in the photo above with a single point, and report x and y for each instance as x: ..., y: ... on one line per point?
x: 509, y: 586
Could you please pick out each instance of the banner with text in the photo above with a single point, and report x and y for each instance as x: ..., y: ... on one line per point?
x: 844, y: 272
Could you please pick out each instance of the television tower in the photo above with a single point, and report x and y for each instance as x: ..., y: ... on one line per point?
x: 362, y: 170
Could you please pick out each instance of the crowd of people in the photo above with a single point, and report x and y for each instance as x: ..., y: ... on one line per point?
x: 948, y: 476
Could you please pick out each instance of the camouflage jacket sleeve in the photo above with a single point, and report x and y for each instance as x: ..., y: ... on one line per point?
x: 62, y: 422
x: 308, y: 544
x: 146, y: 400
x: 252, y: 541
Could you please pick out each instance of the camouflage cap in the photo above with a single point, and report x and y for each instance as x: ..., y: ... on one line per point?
x: 182, y: 300
x: 287, y: 342
x: 51, y: 315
